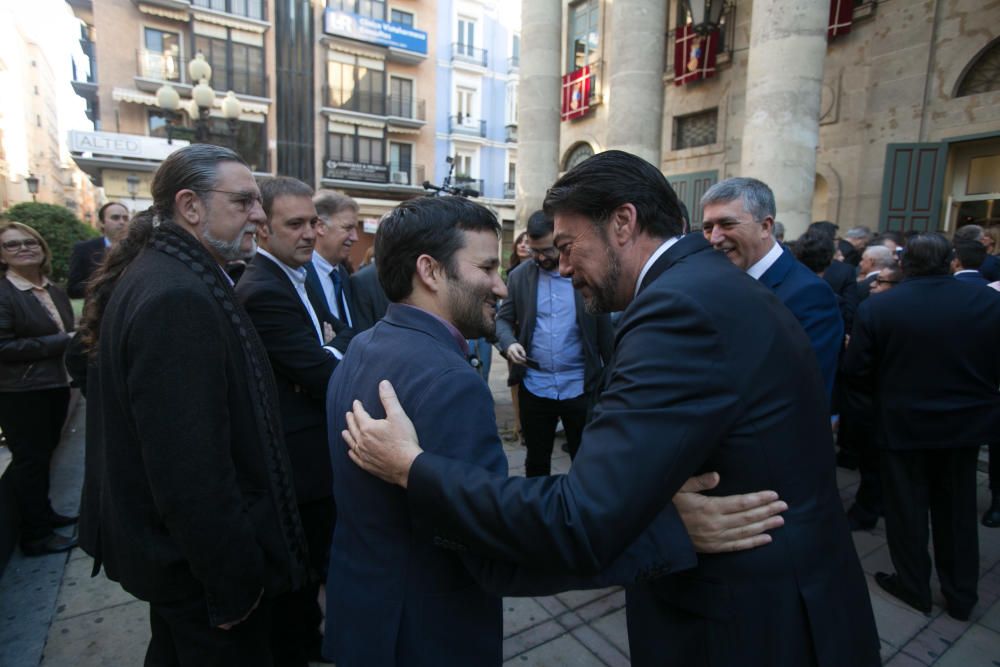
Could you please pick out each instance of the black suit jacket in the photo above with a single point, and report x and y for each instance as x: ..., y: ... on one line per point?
x: 516, y: 324
x: 31, y: 344
x: 990, y: 268
x: 82, y: 264
x: 302, y: 369
x: 369, y: 301
x: 710, y: 372
x: 975, y: 278
x: 927, y: 351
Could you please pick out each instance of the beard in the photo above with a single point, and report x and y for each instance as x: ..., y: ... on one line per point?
x: 466, y: 305
x: 602, y: 299
x: 232, y: 250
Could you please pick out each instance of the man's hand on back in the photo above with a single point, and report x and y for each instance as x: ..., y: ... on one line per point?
x: 384, y: 447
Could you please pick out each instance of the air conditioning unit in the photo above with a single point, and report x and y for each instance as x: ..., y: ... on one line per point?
x: 401, y: 178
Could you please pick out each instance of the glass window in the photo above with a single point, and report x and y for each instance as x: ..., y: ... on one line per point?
x: 401, y: 17
x: 466, y: 36
x: 697, y: 129
x: 161, y: 58
x: 371, y: 8
x: 584, y: 34
x: 340, y: 147
x: 235, y: 66
x: 218, y: 5
x: 401, y: 158
x: 400, y: 97
x: 355, y: 87
x: 371, y: 150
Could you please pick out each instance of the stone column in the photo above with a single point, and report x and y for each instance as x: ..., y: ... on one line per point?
x: 635, y: 78
x: 538, y: 98
x: 784, y: 84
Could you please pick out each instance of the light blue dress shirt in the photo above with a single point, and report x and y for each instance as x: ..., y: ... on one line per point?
x: 557, y: 344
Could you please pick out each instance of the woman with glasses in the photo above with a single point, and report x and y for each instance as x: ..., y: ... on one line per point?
x: 36, y: 325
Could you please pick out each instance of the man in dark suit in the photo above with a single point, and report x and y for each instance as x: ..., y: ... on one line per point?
x: 935, y: 410
x: 710, y: 372
x: 738, y: 219
x: 990, y: 268
x: 336, y: 233
x: 303, y: 344
x: 444, y: 606
x: 368, y: 300
x: 113, y: 218
x: 873, y: 260
x: 187, y: 496
x: 967, y: 261
x: 558, y: 370
x: 853, y: 245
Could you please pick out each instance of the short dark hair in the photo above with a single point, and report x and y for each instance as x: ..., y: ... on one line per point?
x: 970, y: 253
x: 824, y: 227
x: 425, y: 226
x: 895, y: 237
x: 603, y: 182
x: 100, y: 211
x: 815, y: 250
x: 272, y: 187
x: 539, y: 225
x: 927, y: 255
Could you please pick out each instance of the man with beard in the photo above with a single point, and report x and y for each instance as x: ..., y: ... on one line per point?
x: 303, y: 343
x: 395, y: 597
x: 710, y: 372
x: 557, y: 348
x: 188, y: 499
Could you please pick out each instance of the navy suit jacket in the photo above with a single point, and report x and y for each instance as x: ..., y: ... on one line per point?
x: 516, y: 324
x: 368, y: 299
x: 302, y: 369
x: 814, y: 305
x: 990, y: 268
x: 927, y: 351
x: 972, y: 278
x: 396, y: 597
x: 82, y: 264
x: 709, y: 373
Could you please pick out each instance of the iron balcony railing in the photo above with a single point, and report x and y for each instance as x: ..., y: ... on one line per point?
x: 361, y: 101
x: 468, y: 54
x: 510, y: 133
x: 167, y: 67
x: 407, y: 107
x: 513, y: 63
x: 462, y: 124
x: 509, y: 190
x: 251, y: 9
x: 468, y: 183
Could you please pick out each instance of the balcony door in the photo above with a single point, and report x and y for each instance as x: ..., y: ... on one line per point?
x: 400, y: 97
x: 466, y: 37
x: 161, y: 55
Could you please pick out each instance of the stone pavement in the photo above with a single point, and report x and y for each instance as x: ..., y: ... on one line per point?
x: 52, y: 613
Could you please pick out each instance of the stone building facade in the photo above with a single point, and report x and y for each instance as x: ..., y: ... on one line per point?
x: 894, y: 125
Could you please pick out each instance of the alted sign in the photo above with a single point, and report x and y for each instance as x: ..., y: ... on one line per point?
x: 122, y: 145
x: 374, y: 31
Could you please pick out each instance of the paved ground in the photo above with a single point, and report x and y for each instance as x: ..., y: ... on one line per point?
x: 53, y: 613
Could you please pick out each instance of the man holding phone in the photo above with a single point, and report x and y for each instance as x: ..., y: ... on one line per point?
x: 557, y: 348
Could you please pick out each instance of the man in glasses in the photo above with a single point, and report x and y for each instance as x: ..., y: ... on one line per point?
x: 557, y: 348
x: 87, y: 255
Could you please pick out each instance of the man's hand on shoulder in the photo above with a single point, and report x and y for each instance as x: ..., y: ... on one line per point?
x: 727, y: 523
x: 384, y: 447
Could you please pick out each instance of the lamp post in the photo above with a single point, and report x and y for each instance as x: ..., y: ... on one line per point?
x: 200, y: 107
x: 32, y: 182
x: 706, y: 15
x: 132, y: 183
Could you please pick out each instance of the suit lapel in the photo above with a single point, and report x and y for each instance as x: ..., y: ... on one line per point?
x: 685, y: 246
x: 776, y: 273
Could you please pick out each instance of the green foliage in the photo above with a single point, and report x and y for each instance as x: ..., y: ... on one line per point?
x: 60, y: 229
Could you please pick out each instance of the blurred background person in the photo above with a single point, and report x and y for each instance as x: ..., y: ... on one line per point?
x: 990, y: 267
x: 520, y: 253
x: 113, y: 219
x: 36, y: 324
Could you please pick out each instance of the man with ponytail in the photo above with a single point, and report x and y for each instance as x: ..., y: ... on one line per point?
x: 188, y: 501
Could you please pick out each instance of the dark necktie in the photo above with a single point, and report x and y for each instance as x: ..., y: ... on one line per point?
x: 338, y: 293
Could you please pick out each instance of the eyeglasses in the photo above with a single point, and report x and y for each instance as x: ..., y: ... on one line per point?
x: 550, y: 252
x: 30, y: 244
x: 245, y: 200
x: 886, y: 281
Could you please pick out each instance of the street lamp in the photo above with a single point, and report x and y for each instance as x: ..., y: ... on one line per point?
x: 706, y: 15
x: 132, y: 183
x: 200, y: 106
x: 32, y: 182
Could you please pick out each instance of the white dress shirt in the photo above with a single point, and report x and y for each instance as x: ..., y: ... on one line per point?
x: 665, y: 246
x: 766, y: 262
x: 323, y: 269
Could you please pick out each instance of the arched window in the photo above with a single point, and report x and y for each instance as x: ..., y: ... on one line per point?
x: 578, y: 154
x: 984, y: 74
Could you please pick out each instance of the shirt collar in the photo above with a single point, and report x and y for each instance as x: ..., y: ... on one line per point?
x: 295, y: 275
x: 665, y: 246
x: 107, y: 242
x: 455, y: 333
x: 967, y: 271
x: 322, y: 266
x: 24, y: 284
x: 766, y: 262
x: 873, y: 273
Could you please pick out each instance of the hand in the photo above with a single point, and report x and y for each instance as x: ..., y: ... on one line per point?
x: 729, y: 523
x: 384, y: 447
x: 230, y: 626
x: 516, y: 353
x: 328, y: 333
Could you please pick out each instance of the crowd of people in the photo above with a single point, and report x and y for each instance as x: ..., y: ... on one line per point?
x: 291, y: 461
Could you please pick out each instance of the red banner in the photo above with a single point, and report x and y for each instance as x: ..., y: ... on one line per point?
x: 694, y: 55
x: 841, y: 16
x: 576, y: 93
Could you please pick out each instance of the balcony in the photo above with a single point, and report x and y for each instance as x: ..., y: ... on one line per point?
x: 509, y: 190
x: 155, y: 68
x: 406, y: 175
x: 355, y: 100
x: 469, y: 183
x: 255, y: 10
x: 513, y: 64
x: 465, y: 53
x: 462, y: 124
x: 510, y: 133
